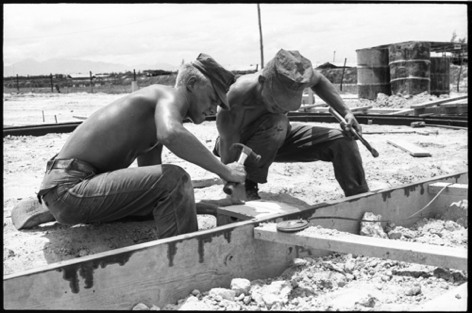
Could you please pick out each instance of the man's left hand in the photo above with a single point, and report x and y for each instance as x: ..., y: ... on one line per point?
x: 351, y: 124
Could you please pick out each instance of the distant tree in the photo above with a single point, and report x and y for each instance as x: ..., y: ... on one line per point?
x: 458, y: 40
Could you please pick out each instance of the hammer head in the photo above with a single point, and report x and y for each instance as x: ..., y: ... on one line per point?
x: 246, y: 151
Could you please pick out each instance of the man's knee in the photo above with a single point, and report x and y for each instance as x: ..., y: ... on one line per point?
x: 345, y: 145
x: 177, y: 176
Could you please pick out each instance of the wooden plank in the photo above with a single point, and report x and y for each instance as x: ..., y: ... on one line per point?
x: 80, y: 117
x: 458, y: 103
x: 343, y: 242
x: 206, y: 182
x: 436, y: 102
x: 454, y: 300
x: 454, y: 189
x: 157, y: 272
x: 409, y: 147
x: 257, y: 208
x: 447, y: 126
x: 402, y: 112
x: 361, y: 109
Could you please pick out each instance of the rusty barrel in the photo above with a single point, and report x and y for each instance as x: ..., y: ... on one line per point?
x: 410, y: 67
x: 373, y: 74
x: 440, y: 75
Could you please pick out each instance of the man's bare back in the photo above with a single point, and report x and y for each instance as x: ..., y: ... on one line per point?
x: 115, y: 135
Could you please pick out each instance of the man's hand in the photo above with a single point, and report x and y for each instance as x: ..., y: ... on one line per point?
x: 236, y: 174
x: 351, y: 123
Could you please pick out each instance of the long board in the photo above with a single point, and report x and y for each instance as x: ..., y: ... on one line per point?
x: 343, y: 242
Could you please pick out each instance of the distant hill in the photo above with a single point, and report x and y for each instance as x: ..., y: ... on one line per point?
x: 67, y: 66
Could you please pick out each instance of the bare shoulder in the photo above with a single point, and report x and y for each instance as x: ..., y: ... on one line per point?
x: 242, y: 90
x: 316, y: 78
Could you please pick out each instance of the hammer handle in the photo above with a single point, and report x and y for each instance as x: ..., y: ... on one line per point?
x: 358, y: 136
x: 229, y: 187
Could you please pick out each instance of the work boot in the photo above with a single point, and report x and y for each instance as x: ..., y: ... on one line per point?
x: 29, y: 213
x: 251, y: 190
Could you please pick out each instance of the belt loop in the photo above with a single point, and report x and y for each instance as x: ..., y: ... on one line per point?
x: 52, y: 160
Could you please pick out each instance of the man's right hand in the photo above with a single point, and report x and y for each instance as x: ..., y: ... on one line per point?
x: 236, y: 174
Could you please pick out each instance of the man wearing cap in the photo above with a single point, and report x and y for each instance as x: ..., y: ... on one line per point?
x: 90, y: 180
x: 257, y: 117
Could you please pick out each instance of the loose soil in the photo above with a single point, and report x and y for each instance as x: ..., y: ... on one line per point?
x: 312, y: 284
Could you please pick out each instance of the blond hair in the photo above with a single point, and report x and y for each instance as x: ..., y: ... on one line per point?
x: 187, y: 71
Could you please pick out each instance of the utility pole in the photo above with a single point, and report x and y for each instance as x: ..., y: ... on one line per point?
x: 260, y: 35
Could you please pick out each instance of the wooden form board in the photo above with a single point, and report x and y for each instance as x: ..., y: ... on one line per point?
x: 165, y: 270
x: 344, y: 242
x: 454, y: 189
x: 257, y: 208
x: 409, y: 147
x: 437, y: 102
x: 402, y: 112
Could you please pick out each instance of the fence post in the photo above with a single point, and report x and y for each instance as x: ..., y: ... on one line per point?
x: 134, y: 83
x: 460, y: 72
x: 342, y: 76
x: 91, y: 84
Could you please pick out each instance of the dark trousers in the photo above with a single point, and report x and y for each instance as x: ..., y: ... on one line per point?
x: 277, y: 140
x: 74, y: 192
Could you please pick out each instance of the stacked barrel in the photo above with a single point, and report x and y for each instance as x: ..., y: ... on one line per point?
x: 402, y: 68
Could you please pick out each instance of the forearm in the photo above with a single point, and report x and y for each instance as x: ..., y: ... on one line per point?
x: 229, y: 134
x: 186, y: 146
x: 227, y: 154
x: 326, y: 91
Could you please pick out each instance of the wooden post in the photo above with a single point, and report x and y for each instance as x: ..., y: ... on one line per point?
x: 134, y: 83
x: 260, y: 35
x: 43, y: 117
x: 342, y: 76
x: 17, y: 83
x: 52, y: 86
x: 55, y: 117
x: 460, y: 70
x: 91, y: 83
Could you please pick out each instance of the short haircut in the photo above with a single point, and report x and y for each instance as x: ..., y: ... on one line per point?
x: 187, y: 71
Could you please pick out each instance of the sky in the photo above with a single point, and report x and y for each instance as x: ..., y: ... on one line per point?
x: 168, y: 33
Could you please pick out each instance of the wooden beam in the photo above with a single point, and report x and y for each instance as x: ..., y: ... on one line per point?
x: 409, y: 147
x: 447, y: 126
x: 344, y: 242
x: 257, y: 208
x: 206, y: 182
x: 361, y: 109
x: 79, y: 117
x: 436, y: 102
x: 402, y: 112
x: 454, y: 189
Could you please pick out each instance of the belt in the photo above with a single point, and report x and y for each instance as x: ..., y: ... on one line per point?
x: 70, y: 164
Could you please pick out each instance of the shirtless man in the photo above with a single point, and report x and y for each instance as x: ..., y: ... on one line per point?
x: 257, y: 117
x: 90, y: 180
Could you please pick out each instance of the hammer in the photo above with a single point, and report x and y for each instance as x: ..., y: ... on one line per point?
x: 354, y: 132
x: 236, y: 190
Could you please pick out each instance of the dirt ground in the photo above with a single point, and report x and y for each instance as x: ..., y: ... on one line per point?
x: 299, y: 184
